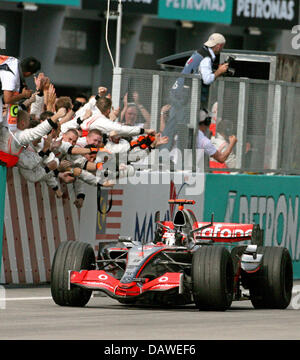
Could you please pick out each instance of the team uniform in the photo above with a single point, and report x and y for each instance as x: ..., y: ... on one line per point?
x: 33, y: 167
x: 105, y: 125
x: 10, y: 81
x: 12, y: 144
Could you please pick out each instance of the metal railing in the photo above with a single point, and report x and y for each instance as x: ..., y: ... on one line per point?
x: 262, y: 114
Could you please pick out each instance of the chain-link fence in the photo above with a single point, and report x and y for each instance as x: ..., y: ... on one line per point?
x: 262, y: 114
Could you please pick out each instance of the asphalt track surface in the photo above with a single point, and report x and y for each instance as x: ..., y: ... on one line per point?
x: 31, y: 314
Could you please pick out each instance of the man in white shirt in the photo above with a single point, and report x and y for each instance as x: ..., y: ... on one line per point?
x: 209, y: 51
x: 13, y: 87
x: 212, y: 47
x: 204, y: 143
x: 201, y: 62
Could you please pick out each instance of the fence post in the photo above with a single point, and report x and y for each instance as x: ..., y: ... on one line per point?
x: 2, y: 207
x: 287, y: 144
x: 220, y: 97
x: 269, y: 154
x: 194, y: 117
x: 155, y: 103
x: 242, y: 123
x: 276, y: 127
x: 116, y: 87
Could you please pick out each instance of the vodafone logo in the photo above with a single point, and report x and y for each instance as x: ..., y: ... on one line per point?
x: 219, y: 231
x: 102, y: 277
x: 163, y: 279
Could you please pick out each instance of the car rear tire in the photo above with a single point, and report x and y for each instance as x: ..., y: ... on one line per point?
x: 212, y: 278
x: 70, y: 255
x: 271, y: 287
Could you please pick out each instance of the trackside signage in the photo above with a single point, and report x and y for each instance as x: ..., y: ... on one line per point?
x: 128, y: 6
x: 266, y: 13
x: 53, y: 2
x: 271, y: 201
x: 2, y: 37
x: 139, y: 221
x: 216, y: 11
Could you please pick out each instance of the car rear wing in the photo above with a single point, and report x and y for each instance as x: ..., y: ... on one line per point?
x: 222, y: 232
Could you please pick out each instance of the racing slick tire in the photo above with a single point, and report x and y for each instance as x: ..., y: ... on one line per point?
x: 271, y: 287
x: 212, y: 278
x: 70, y: 255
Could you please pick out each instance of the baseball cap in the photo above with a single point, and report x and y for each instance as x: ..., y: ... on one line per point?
x: 203, y: 114
x: 215, y: 39
x: 204, y: 117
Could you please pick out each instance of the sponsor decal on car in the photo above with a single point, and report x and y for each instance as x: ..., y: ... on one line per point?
x: 225, y: 230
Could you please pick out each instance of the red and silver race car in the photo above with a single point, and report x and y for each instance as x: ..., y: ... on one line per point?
x: 186, y: 262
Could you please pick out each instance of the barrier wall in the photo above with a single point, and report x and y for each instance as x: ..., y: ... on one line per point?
x: 270, y: 201
x: 2, y: 206
x: 35, y: 221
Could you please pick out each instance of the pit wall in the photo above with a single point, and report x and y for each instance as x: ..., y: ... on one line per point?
x: 2, y: 205
x: 35, y: 221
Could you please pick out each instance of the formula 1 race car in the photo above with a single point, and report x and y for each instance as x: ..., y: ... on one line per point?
x: 186, y: 262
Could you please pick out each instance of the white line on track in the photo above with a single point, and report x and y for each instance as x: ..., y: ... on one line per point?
x: 32, y: 298
x: 29, y: 298
x: 294, y: 291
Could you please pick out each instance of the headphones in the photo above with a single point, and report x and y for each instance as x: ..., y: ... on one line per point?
x: 207, y: 120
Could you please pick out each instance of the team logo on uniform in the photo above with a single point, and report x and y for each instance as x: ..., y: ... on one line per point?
x: 14, y: 109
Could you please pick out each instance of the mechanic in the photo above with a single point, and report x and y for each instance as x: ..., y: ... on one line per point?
x: 94, y: 137
x: 123, y: 151
x: 204, y: 143
x: 91, y: 106
x: 13, y: 86
x: 37, y: 101
x: 12, y: 144
x: 102, y: 122
x: 65, y: 149
x: 81, y: 98
x: 38, y: 167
